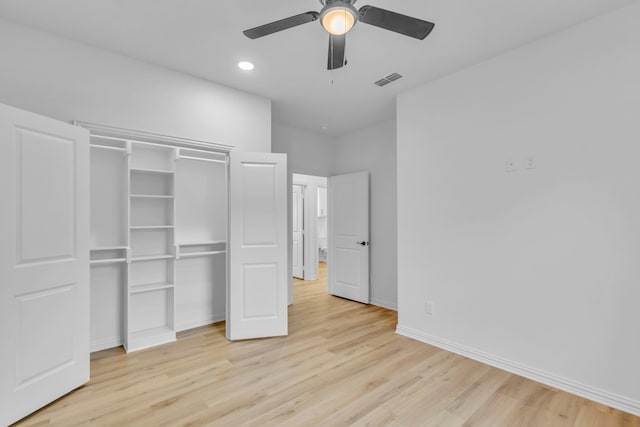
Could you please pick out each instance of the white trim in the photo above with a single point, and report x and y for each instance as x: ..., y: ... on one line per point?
x: 106, y: 343
x: 190, y: 324
x: 140, y: 136
x: 384, y: 304
x: 583, y: 390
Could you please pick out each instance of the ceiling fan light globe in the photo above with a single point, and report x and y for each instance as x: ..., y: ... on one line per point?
x: 338, y: 20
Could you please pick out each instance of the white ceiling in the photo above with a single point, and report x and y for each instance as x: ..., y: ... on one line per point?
x: 204, y: 38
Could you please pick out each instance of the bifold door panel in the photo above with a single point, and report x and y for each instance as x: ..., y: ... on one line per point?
x: 258, y: 277
x: 44, y: 262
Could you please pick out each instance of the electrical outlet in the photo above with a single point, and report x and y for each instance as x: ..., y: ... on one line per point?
x: 428, y: 307
x: 529, y: 162
x: 511, y: 165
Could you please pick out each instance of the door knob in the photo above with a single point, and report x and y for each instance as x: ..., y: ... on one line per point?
x: 363, y: 243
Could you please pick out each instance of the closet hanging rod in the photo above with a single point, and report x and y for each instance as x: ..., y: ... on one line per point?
x: 215, y: 153
x: 110, y: 138
x: 106, y: 147
x: 202, y: 159
x: 152, y: 144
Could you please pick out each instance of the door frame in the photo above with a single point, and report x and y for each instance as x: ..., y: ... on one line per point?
x: 303, y: 231
x: 311, y: 184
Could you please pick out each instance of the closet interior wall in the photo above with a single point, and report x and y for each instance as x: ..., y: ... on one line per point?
x: 158, y: 240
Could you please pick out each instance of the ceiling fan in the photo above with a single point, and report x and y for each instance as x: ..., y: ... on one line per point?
x: 338, y: 17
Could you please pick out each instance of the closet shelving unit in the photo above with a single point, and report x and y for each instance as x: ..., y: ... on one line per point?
x: 158, y: 229
x: 151, y: 290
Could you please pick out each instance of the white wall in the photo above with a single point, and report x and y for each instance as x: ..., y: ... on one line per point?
x: 307, y: 153
x: 374, y: 150
x: 68, y: 81
x: 537, y: 270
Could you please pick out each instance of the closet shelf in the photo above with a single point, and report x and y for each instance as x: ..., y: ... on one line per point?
x: 150, y: 227
x: 151, y: 196
x: 107, y: 261
x: 203, y: 243
x: 107, y: 248
x: 152, y: 171
x: 197, y: 254
x: 150, y: 257
x: 108, y: 147
x: 150, y: 287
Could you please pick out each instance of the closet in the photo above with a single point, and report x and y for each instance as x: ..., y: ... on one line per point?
x: 117, y: 237
x: 158, y: 239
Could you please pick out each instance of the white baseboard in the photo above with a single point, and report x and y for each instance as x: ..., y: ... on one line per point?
x: 384, y: 304
x: 190, y: 324
x: 106, y: 343
x: 583, y: 390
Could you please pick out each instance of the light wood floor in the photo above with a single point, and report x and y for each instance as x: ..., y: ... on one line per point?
x: 342, y: 364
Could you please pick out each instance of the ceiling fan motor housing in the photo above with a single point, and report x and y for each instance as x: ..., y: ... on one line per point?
x: 327, y: 2
x: 333, y: 7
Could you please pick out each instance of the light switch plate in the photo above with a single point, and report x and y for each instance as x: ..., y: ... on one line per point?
x: 510, y: 164
x: 428, y: 307
x: 529, y: 162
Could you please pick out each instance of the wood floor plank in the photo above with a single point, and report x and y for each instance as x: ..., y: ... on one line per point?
x: 341, y: 365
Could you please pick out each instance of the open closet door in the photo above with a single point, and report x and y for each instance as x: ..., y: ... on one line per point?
x: 44, y: 261
x: 257, y: 251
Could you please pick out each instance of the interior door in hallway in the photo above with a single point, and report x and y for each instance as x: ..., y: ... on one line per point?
x: 44, y: 261
x: 349, y: 236
x: 297, y: 220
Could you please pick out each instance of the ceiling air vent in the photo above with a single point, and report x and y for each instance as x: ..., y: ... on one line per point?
x: 386, y: 80
x: 393, y: 77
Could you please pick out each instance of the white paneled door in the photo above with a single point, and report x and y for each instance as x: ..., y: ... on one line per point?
x: 297, y: 220
x: 44, y: 261
x: 257, y: 251
x: 349, y: 236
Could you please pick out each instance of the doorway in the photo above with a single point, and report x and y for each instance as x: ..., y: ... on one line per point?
x: 309, y: 226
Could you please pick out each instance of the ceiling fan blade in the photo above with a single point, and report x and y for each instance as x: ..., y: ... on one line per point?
x: 282, y: 24
x: 392, y: 21
x: 336, y: 51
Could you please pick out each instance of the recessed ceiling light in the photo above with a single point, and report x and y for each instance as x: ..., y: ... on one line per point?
x: 324, y: 127
x: 245, y: 65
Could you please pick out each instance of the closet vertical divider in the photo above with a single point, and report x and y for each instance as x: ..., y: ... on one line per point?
x: 125, y: 321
